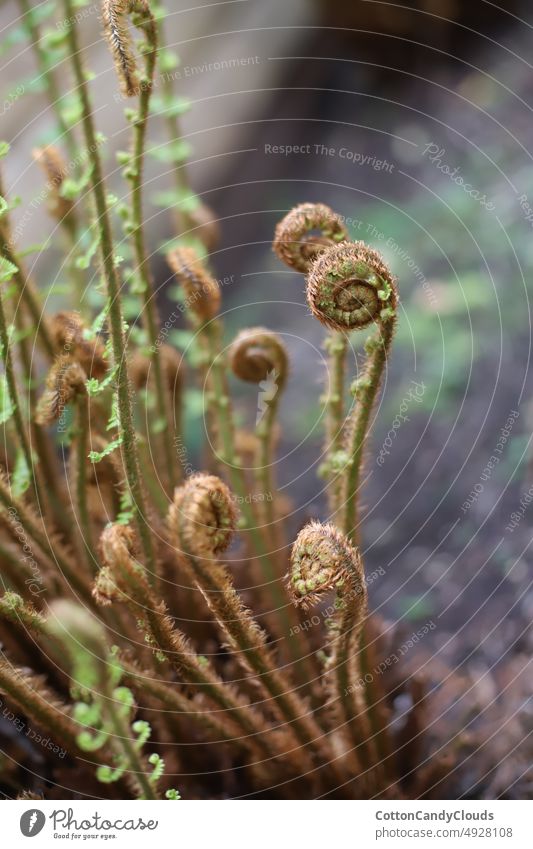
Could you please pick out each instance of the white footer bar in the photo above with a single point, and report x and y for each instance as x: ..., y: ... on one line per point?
x: 268, y: 825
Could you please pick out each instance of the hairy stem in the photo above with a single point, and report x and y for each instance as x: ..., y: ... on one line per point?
x: 82, y: 445
x: 14, y: 394
x: 366, y: 389
x: 249, y: 644
x: 51, y: 549
x: 336, y: 345
x: 47, y: 74
x: 150, y: 317
x: 228, y: 456
x: 113, y: 291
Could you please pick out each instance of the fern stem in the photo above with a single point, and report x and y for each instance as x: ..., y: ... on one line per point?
x: 13, y: 391
x: 48, y: 76
x: 113, y: 291
x: 83, y: 428
x: 366, y: 389
x: 150, y: 317
x: 54, y: 554
x: 336, y: 345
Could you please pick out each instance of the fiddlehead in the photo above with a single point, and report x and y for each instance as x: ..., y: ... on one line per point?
x: 350, y: 287
x: 259, y: 356
x: 201, y: 290
x: 115, y: 15
x: 305, y: 232
x: 256, y: 353
x: 207, y: 515
x: 323, y: 560
x: 200, y: 521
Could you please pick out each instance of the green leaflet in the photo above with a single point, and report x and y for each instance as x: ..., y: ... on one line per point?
x: 171, y: 107
x: 21, y: 476
x: 175, y: 151
x: 7, y: 269
x: 97, y: 456
x: 7, y: 408
x: 186, y: 201
x: 71, y: 189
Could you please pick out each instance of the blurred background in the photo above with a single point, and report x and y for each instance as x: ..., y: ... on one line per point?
x: 414, y: 121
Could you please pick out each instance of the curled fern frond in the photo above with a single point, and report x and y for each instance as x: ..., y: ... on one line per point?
x: 201, y: 290
x: 323, y: 560
x: 256, y: 353
x: 115, y: 19
x: 69, y: 335
x: 204, y: 511
x: 54, y: 167
x: 66, y: 380
x: 305, y: 232
x: 349, y: 286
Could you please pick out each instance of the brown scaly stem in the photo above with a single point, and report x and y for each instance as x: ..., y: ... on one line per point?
x: 258, y: 356
x: 70, y: 222
x: 51, y: 492
x: 169, y: 695
x: 82, y: 450
x: 36, y: 701
x: 124, y: 580
x: 323, y: 560
x: 131, y: 459
x: 202, y: 298
x: 201, y: 521
x: 51, y: 549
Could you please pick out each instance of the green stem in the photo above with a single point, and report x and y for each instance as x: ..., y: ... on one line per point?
x: 13, y: 392
x: 336, y: 345
x: 228, y: 456
x: 27, y: 291
x: 150, y: 317
x: 52, y: 88
x: 366, y: 390
x: 174, y: 133
x: 125, y: 742
x: 264, y: 463
x: 113, y: 290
